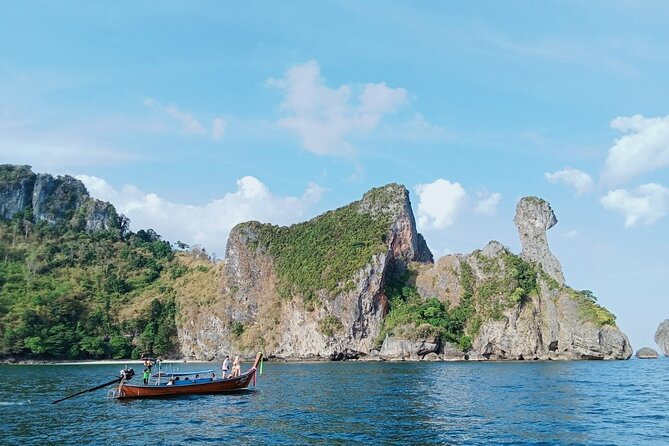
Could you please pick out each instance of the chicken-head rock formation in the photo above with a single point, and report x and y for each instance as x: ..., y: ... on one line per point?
x: 518, y: 307
x: 534, y: 217
x: 360, y: 281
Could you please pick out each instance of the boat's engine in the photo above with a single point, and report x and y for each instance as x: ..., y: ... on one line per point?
x: 127, y: 374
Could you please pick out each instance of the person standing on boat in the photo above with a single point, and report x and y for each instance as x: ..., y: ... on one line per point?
x: 236, y: 367
x: 146, y: 376
x: 225, y: 367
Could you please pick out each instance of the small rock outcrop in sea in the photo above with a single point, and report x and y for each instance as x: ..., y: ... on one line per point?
x: 662, y: 336
x: 646, y: 353
x: 44, y: 198
x: 534, y: 217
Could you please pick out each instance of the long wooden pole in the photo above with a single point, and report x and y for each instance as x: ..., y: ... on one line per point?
x: 88, y: 390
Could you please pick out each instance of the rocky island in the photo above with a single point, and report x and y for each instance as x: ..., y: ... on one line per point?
x: 646, y: 353
x: 358, y: 282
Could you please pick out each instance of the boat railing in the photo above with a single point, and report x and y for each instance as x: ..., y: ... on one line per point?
x: 163, y: 377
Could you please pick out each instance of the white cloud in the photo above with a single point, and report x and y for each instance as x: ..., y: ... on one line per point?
x: 487, y: 203
x: 439, y: 203
x: 207, y: 225
x: 578, y: 179
x: 324, y: 117
x: 644, y: 148
x: 645, y: 204
x: 189, y: 124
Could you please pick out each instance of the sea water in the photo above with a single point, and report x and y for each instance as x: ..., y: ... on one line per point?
x: 472, y: 403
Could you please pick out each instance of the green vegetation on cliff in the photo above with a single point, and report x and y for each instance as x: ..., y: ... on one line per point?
x: 414, y: 317
x: 10, y: 173
x: 63, y: 292
x: 325, y: 252
x: 330, y: 325
x: 507, y: 281
x: 504, y: 281
x: 589, y: 309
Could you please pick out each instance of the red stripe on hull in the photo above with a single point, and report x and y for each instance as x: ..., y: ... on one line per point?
x: 126, y: 390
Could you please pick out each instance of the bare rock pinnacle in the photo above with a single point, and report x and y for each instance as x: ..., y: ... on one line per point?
x: 534, y: 217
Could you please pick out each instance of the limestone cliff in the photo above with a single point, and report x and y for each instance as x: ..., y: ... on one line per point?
x: 44, y: 198
x: 315, y: 289
x: 16, y: 188
x: 360, y: 281
x: 518, y: 307
x: 546, y: 321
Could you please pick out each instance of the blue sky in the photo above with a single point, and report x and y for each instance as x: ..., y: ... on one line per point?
x: 191, y: 117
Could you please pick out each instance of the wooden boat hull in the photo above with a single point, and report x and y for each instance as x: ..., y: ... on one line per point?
x: 201, y: 386
x: 126, y: 390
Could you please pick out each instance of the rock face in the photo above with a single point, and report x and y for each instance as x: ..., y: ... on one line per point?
x: 521, y: 308
x: 16, y: 186
x: 44, y: 198
x: 549, y: 326
x: 548, y: 322
x: 646, y: 353
x: 56, y: 199
x: 406, y: 244
x: 99, y: 215
x: 534, y: 217
x: 394, y: 348
x: 341, y: 322
x: 662, y: 336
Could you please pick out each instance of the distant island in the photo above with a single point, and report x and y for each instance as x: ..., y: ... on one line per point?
x: 358, y: 282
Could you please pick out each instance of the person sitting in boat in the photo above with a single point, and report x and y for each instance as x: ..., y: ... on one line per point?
x: 170, y: 382
x: 236, y: 367
x: 213, y: 376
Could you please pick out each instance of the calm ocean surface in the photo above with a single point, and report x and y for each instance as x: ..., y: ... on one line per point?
x: 589, y: 402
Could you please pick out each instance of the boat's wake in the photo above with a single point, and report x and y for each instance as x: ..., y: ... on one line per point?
x: 14, y: 403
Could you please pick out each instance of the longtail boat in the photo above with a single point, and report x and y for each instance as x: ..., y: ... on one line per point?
x: 170, y: 383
